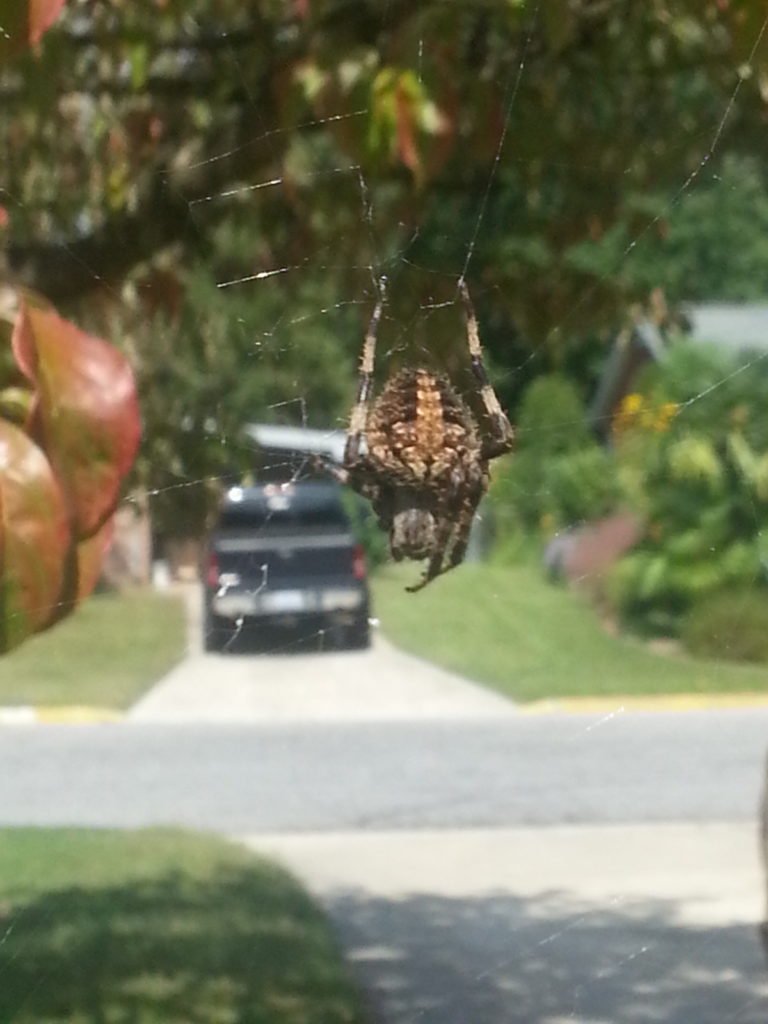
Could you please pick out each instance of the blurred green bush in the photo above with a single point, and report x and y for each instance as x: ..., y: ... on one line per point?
x: 559, y: 475
x: 366, y: 528
x: 730, y: 624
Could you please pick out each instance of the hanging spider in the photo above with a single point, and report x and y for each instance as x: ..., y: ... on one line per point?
x: 426, y: 464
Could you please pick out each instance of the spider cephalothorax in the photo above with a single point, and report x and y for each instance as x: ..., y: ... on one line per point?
x: 426, y: 465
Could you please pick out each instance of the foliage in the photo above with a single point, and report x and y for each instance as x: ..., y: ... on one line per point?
x: 552, y: 418
x: 712, y: 243
x: 506, y: 627
x: 160, y: 926
x: 559, y: 475
x: 371, y: 135
x: 583, y: 485
x: 217, y: 363
x: 729, y: 624
x: 702, y: 474
x: 366, y: 529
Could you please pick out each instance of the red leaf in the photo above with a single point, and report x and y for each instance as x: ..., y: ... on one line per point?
x: 42, y: 14
x: 4, y: 218
x: 86, y: 415
x: 406, y: 134
x: 23, y: 23
x: 35, y: 537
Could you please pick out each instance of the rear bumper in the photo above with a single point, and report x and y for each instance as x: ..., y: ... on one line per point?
x: 289, y: 603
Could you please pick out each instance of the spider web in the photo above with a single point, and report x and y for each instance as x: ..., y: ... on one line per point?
x: 636, y: 963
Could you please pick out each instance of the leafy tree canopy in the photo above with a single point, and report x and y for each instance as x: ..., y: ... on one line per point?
x: 303, y: 148
x: 399, y: 134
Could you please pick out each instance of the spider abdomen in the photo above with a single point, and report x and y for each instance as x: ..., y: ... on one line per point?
x: 420, y: 424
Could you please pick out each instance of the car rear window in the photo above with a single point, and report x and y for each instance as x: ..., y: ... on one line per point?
x: 300, y: 509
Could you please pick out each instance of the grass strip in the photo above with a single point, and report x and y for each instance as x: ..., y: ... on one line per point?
x: 508, y: 628
x: 160, y: 927
x: 107, y: 653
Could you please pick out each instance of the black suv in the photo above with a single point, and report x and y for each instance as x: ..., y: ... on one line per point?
x: 285, y: 555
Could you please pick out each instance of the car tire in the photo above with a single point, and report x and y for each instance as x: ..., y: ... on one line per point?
x: 217, y: 632
x: 357, y: 637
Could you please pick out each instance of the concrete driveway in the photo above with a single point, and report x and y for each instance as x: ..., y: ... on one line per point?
x: 380, y: 684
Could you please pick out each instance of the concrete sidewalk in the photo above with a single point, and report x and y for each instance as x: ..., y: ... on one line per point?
x: 585, y: 925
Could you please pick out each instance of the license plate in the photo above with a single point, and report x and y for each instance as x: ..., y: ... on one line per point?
x: 284, y: 601
x: 340, y: 600
x: 232, y: 606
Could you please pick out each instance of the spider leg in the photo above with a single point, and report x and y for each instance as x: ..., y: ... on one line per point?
x: 322, y: 464
x: 360, y: 476
x: 503, y: 436
x: 463, y: 530
x: 359, y: 417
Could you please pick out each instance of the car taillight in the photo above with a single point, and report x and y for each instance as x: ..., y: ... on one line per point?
x: 212, y: 577
x: 358, y: 562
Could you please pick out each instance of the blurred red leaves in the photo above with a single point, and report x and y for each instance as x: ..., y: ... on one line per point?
x: 36, y: 536
x: 42, y: 14
x: 24, y: 23
x: 85, y: 413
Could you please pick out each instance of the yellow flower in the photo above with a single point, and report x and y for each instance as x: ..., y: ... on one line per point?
x: 629, y: 411
x: 632, y: 403
x: 666, y: 414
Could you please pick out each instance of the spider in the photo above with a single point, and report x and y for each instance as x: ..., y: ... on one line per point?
x: 426, y: 465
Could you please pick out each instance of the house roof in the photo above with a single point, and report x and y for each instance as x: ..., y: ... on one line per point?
x: 732, y: 325
x: 298, y: 439
x: 630, y: 350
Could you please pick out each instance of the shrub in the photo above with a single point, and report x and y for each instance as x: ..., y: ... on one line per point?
x: 366, y: 528
x: 699, y: 476
x: 583, y: 485
x: 731, y: 624
x: 559, y: 475
x: 552, y: 417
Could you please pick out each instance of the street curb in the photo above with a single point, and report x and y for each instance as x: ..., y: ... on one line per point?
x: 71, y: 714
x: 607, y: 705
x: 79, y: 714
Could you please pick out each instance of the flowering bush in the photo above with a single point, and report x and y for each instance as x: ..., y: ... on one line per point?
x: 693, y: 451
x: 635, y: 412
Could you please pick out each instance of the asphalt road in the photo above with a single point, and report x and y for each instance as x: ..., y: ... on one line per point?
x: 519, y: 771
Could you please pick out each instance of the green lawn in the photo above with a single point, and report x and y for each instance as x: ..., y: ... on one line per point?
x: 107, y: 653
x: 505, y: 626
x: 159, y: 927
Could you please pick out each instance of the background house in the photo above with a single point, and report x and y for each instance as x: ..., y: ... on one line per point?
x: 738, y: 327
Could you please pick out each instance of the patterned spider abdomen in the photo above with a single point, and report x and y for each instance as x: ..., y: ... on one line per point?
x: 420, y: 427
